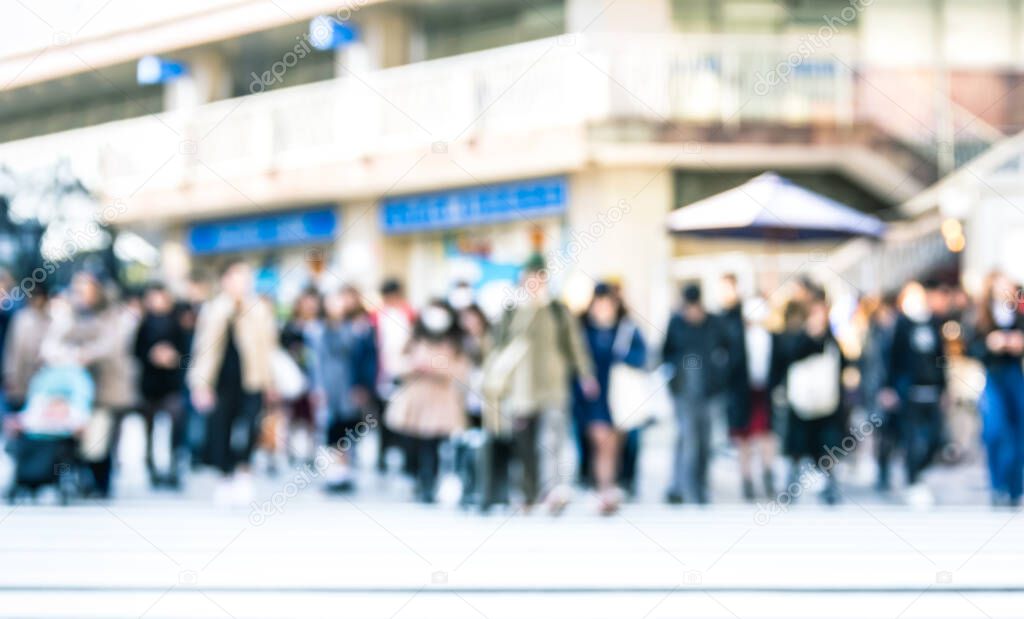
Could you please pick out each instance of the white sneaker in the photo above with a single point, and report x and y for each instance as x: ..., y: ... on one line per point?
x: 223, y: 492
x: 242, y: 491
x: 920, y: 496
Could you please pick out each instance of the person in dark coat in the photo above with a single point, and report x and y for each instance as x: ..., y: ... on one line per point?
x: 916, y: 381
x: 874, y: 376
x: 160, y: 345
x: 696, y: 346
x: 807, y: 334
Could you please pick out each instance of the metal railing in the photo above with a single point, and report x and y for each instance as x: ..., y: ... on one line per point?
x: 566, y: 81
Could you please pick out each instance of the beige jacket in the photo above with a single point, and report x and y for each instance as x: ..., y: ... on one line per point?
x: 255, y: 335
x: 431, y: 401
x: 553, y: 353
x: 23, y: 350
x: 99, y: 341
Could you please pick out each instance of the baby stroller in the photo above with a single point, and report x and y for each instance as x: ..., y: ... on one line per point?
x: 46, y: 434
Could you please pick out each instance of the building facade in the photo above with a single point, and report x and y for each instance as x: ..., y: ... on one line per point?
x: 440, y: 141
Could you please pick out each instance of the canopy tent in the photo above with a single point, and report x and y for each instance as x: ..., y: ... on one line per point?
x: 769, y: 207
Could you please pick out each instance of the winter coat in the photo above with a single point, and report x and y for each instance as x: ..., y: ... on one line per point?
x: 344, y: 356
x: 255, y: 336
x: 699, y: 353
x: 99, y: 339
x: 157, y: 382
x: 554, y: 352
x: 430, y: 403
x: 23, y: 350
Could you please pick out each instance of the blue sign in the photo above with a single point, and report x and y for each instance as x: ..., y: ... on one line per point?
x: 264, y: 231
x: 520, y: 200
x: 328, y: 33
x: 156, y: 70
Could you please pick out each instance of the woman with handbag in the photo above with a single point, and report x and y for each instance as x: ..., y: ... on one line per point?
x: 612, y: 339
x: 430, y: 405
x: 806, y: 372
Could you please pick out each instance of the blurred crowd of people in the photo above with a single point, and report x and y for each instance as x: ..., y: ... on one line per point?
x: 525, y: 408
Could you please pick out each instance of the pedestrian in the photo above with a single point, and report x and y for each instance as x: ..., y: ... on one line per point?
x: 756, y: 434
x: 538, y: 350
x: 998, y: 342
x: 160, y: 346
x: 22, y: 356
x: 230, y: 375
x: 296, y: 338
x: 696, y: 346
x: 476, y: 344
x: 806, y: 371
x: 393, y: 322
x: 611, y: 337
x: 740, y: 407
x: 430, y: 406
x: 343, y: 367
x: 916, y: 380
x: 94, y: 333
x: 874, y: 374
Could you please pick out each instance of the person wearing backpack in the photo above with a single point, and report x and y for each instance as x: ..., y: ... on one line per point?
x: 806, y: 378
x: 916, y: 380
x: 537, y: 350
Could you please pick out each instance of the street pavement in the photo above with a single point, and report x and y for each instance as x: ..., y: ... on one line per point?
x: 299, y: 553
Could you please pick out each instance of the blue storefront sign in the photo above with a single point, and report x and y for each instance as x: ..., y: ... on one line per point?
x: 520, y: 200
x: 264, y: 231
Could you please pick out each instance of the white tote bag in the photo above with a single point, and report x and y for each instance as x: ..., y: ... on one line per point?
x: 636, y: 397
x: 812, y: 384
x: 289, y: 381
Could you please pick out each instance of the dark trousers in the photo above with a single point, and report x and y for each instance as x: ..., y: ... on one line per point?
x: 498, y: 455
x: 174, y: 406
x: 888, y: 441
x: 428, y: 460
x: 922, y: 436
x: 232, y: 429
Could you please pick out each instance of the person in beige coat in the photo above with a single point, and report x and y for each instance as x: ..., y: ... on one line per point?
x: 90, y: 331
x: 229, y: 373
x: 430, y: 404
x: 23, y: 348
x: 538, y: 351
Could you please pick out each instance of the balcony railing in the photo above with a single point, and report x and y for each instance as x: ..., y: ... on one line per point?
x: 568, y: 81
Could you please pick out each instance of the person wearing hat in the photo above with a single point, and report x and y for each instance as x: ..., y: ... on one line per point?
x: 697, y: 347
x: 537, y: 350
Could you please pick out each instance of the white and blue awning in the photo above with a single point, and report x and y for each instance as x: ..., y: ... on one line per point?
x: 769, y: 207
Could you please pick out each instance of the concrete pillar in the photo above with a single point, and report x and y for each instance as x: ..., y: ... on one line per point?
x: 208, y: 79
x: 385, y: 40
x: 617, y: 230
x: 633, y: 16
x: 359, y: 252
